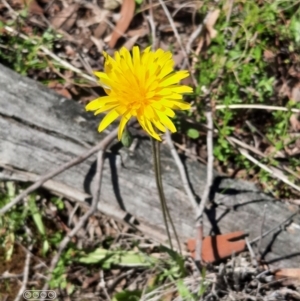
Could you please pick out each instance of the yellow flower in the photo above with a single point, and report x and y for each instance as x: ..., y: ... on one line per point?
x: 144, y: 86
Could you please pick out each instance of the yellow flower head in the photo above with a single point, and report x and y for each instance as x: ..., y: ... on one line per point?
x: 144, y: 86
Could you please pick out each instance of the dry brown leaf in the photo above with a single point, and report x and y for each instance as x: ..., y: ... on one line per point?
x: 100, y: 30
x: 134, y: 35
x: 295, y: 96
x: 59, y: 88
x: 33, y: 7
x: 288, y: 273
x: 178, y: 58
x: 127, y: 13
x: 98, y: 43
x: 268, y: 55
x: 271, y: 151
x: 99, y: 17
x: 209, y: 32
x: 294, y: 71
x: 140, y: 32
x: 295, y: 124
x: 130, y: 42
x: 70, y: 52
x: 112, y: 4
x: 210, y: 22
x: 90, y: 280
x: 65, y: 18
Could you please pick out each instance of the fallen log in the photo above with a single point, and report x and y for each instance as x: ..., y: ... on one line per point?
x: 40, y: 130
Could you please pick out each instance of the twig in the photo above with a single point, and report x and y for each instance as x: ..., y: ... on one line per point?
x: 59, y: 170
x: 103, y: 285
x: 229, y: 12
x: 258, y: 107
x: 262, y: 230
x: 181, y: 170
x: 25, y: 272
x: 152, y: 25
x: 171, y: 21
x: 274, y: 228
x: 233, y: 141
x: 11, y: 10
x: 209, y: 181
x: 189, y: 153
x: 193, y: 36
x: 273, y: 172
x: 273, y: 169
x: 7, y: 275
x: 254, y: 261
x: 52, y: 55
x: 85, y: 217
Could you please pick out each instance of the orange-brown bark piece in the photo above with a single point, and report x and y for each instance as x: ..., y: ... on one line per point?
x: 215, y: 248
x: 127, y: 13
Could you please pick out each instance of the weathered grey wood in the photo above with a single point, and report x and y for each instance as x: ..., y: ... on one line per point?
x: 40, y: 130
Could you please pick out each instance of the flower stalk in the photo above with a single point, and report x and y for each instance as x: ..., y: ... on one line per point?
x: 163, y: 203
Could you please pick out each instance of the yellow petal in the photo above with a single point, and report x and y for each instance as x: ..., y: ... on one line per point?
x: 127, y: 58
x: 106, y: 108
x: 108, y: 119
x: 174, y: 78
x: 166, y: 70
x: 159, y: 53
x: 136, y: 55
x: 147, y: 50
x: 176, y: 105
x: 165, y: 120
x: 182, y: 89
x: 164, y: 91
x: 123, y: 122
x: 166, y: 110
x: 152, y: 116
x: 174, y: 96
x: 159, y: 125
x: 100, y: 102
x: 145, y: 125
x: 108, y: 83
x: 150, y: 130
x: 94, y: 104
x: 100, y: 74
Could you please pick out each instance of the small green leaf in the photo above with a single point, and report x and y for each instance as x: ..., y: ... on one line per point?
x: 46, y: 247
x: 184, y: 291
x: 193, y: 133
x: 36, y: 215
x: 127, y: 296
x: 121, y: 258
x: 9, y: 246
x: 126, y: 138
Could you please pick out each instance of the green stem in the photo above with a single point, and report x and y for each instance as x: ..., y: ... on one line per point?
x: 158, y: 178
